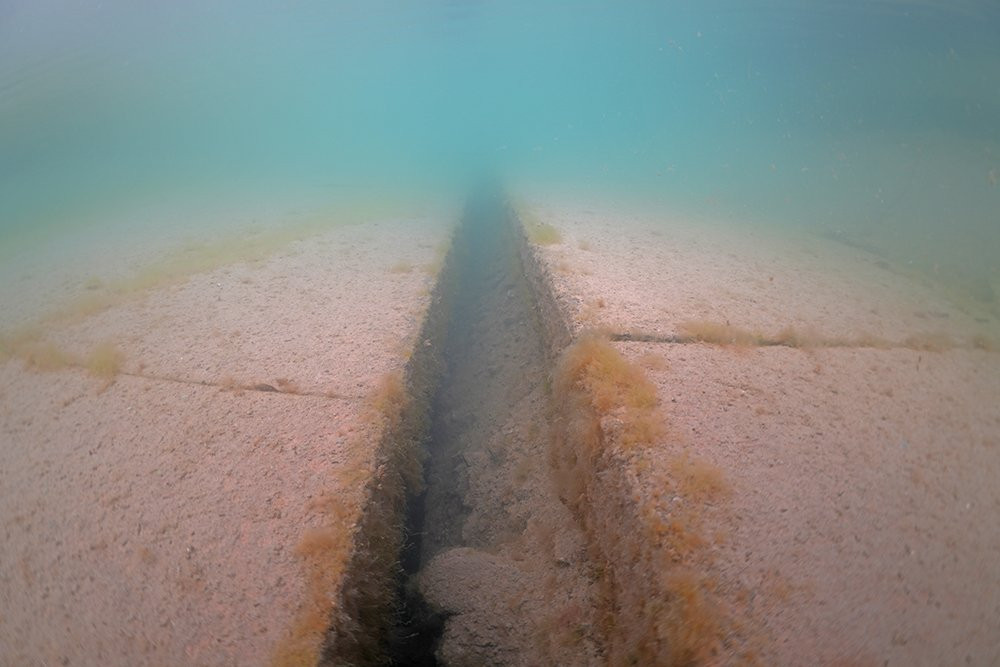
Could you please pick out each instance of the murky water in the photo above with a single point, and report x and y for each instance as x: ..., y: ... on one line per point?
x: 871, y: 121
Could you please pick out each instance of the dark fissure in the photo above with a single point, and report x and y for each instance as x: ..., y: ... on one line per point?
x: 486, y: 271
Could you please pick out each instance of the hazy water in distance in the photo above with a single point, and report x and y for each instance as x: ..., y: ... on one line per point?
x: 877, y: 122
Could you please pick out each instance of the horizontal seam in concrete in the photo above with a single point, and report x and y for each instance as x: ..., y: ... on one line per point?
x: 627, y: 337
x: 260, y: 387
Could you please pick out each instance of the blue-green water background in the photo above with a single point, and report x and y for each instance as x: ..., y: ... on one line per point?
x: 875, y: 121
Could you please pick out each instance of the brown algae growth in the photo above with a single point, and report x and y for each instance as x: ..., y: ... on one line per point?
x: 340, y: 596
x: 661, y: 602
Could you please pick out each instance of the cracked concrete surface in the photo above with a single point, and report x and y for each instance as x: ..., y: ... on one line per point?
x: 859, y: 527
x: 154, y: 520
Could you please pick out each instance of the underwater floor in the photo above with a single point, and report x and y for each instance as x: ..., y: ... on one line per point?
x: 589, y: 436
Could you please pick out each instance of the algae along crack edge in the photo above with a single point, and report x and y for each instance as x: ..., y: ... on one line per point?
x: 351, y: 561
x: 428, y: 526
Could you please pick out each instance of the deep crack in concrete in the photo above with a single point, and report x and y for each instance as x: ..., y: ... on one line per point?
x: 496, y: 565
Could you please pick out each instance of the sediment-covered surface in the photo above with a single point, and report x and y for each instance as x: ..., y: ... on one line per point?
x: 177, y: 466
x: 820, y: 490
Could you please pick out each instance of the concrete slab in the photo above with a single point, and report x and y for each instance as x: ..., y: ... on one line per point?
x: 329, y: 315
x: 859, y: 528
x: 159, y: 518
x: 652, y: 273
x: 834, y: 502
x: 156, y: 522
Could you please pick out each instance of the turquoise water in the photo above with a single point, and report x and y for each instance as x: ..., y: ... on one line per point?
x: 876, y: 122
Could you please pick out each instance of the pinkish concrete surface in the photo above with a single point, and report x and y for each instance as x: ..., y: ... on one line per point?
x: 153, y: 521
x: 666, y: 270
x: 311, y: 315
x: 860, y: 524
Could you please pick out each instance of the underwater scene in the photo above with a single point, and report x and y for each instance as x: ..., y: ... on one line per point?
x: 508, y: 333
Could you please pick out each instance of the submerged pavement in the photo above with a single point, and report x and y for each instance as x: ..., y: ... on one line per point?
x: 841, y: 417
x: 155, y: 513
x: 184, y: 472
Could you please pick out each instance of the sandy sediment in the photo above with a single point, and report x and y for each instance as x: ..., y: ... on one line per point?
x: 823, y: 500
x: 167, y: 512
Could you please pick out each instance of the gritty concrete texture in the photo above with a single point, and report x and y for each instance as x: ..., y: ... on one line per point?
x: 154, y: 518
x: 857, y: 524
x: 665, y: 271
x: 305, y: 316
